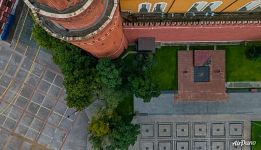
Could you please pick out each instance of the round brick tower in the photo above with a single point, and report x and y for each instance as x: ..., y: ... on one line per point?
x: 93, y: 25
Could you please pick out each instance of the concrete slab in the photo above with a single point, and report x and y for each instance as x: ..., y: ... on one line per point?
x: 165, y: 145
x: 218, y: 129
x: 200, y: 145
x: 182, y: 145
x: 235, y: 129
x: 165, y: 130
x: 200, y: 129
x: 182, y: 130
x: 147, y: 130
x: 218, y: 145
x: 147, y: 146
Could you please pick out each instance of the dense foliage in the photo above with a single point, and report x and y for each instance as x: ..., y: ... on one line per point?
x: 77, y: 67
x: 87, y: 79
x: 112, y: 132
x: 141, y: 82
x: 108, y: 73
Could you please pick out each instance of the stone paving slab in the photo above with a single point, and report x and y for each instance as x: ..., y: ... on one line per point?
x: 185, y: 140
x: 32, y: 105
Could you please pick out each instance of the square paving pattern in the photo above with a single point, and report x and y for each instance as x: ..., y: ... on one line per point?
x: 165, y: 130
x: 147, y: 130
x: 201, y: 83
x: 218, y: 129
x: 147, y: 146
x: 200, y: 145
x: 200, y: 129
x: 189, y: 135
x: 182, y: 145
x: 235, y: 129
x: 182, y: 130
x: 218, y: 145
x: 165, y: 145
x: 33, y: 112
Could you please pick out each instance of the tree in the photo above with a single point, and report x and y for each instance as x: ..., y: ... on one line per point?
x: 119, y: 136
x: 123, y: 135
x: 77, y: 67
x: 144, y: 88
x: 108, y: 73
x: 141, y: 82
x: 99, y: 127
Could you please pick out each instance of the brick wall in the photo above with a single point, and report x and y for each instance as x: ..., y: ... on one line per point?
x: 179, y: 32
x: 110, y: 42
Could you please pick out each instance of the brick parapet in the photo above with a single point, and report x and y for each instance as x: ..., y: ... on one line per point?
x: 192, y: 24
x: 58, y: 15
x: 222, y: 32
x: 88, y: 35
x: 102, y: 38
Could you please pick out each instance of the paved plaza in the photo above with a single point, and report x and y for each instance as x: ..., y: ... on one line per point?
x: 33, y: 112
x: 167, y: 124
x: 193, y: 132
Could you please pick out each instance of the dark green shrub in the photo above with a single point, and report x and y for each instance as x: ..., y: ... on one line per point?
x: 253, y: 52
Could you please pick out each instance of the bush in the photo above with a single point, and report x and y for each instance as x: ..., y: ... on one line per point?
x: 253, y: 52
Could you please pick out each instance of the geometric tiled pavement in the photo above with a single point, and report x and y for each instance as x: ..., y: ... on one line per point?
x: 32, y: 106
x: 190, y: 135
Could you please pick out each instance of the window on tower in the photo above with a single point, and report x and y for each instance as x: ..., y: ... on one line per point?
x: 251, y: 6
x: 159, y: 7
x: 212, y: 6
x: 144, y: 7
x: 198, y: 6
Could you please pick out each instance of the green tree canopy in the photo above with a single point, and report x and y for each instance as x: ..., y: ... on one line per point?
x: 109, y: 75
x: 78, y: 68
x: 144, y: 88
x: 99, y: 127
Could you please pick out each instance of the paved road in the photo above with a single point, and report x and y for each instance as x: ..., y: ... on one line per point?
x: 33, y: 112
x: 238, y: 103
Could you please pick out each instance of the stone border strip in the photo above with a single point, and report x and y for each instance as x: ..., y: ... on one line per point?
x: 246, y: 84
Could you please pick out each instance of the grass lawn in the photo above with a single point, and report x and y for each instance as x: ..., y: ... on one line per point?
x: 165, y: 70
x: 256, y: 134
x: 239, y: 68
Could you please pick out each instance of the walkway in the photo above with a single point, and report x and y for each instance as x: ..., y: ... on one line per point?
x: 167, y: 124
x: 33, y: 112
x: 238, y: 103
x: 197, y: 132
